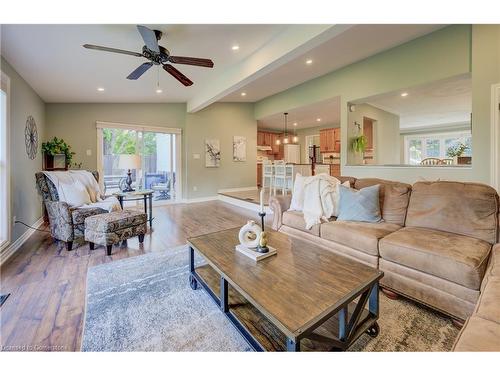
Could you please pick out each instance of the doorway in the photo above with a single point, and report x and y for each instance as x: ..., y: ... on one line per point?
x: 153, y: 156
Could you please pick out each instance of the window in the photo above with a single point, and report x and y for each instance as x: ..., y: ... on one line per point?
x: 422, y: 146
x: 4, y: 164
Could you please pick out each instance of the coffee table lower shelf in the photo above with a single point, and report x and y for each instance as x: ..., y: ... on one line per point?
x: 262, y: 335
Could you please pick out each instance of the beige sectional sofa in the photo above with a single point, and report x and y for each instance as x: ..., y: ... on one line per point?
x: 433, y: 244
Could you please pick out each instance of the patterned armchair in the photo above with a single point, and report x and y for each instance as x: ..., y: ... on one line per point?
x: 66, y: 223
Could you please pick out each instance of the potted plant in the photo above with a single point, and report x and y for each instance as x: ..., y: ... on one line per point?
x: 359, y: 144
x: 456, y: 151
x: 57, y: 149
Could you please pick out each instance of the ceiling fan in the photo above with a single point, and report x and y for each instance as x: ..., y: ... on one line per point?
x: 157, y: 55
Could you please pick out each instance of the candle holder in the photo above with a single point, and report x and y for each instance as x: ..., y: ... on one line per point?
x: 264, y: 248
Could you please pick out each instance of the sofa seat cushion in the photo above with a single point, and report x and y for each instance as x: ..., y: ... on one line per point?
x: 488, y: 306
x: 296, y: 220
x: 453, y: 257
x: 478, y: 335
x: 358, y: 235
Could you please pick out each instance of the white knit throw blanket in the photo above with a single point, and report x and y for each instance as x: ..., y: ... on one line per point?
x: 321, y: 197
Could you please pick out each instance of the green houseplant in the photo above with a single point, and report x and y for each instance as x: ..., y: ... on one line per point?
x: 54, y: 147
x: 359, y: 144
x: 456, y: 150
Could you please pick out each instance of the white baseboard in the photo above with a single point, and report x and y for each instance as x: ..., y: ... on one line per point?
x: 232, y: 190
x: 243, y: 204
x: 14, y: 246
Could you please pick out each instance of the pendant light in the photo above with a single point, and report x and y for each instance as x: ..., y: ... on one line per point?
x: 285, y: 137
x: 295, y: 138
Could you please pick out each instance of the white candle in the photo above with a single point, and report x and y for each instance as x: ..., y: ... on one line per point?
x: 262, y: 200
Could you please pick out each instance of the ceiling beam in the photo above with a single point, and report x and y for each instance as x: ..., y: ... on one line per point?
x: 289, y: 44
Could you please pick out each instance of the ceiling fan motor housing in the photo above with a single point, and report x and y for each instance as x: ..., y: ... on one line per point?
x: 156, y: 58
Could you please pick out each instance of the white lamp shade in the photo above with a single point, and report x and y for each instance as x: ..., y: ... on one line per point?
x: 129, y: 162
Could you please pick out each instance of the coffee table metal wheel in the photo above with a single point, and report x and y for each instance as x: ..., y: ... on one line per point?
x: 193, y: 283
x: 374, y: 330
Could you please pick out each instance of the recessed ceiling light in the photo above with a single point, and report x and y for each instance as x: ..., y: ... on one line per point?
x: 159, y: 91
x: 318, y: 119
x: 100, y: 89
x: 243, y: 94
x: 235, y: 47
x: 294, y: 124
x: 403, y: 94
x: 309, y: 62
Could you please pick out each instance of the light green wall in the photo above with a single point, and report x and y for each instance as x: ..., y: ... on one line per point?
x: 24, y: 101
x: 439, y: 55
x: 220, y: 121
x: 76, y: 124
x: 386, y: 137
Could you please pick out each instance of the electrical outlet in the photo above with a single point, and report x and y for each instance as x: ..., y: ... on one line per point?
x: 195, y: 188
x: 196, y: 156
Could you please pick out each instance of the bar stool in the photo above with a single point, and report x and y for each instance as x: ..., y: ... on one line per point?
x: 280, y: 176
x: 267, y: 174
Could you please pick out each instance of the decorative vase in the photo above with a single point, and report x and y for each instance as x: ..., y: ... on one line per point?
x: 249, y: 235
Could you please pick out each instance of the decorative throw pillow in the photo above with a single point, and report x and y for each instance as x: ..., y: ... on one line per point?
x: 359, y: 205
x: 75, y: 194
x: 297, y: 203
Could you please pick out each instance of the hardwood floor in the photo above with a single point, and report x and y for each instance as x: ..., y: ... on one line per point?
x: 45, y: 311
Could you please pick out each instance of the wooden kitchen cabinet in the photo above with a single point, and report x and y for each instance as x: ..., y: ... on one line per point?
x: 260, y: 138
x: 259, y: 174
x: 329, y: 140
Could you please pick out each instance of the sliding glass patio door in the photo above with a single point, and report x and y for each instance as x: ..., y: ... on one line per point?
x: 152, y: 155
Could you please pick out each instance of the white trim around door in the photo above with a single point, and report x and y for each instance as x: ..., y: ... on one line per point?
x: 495, y: 136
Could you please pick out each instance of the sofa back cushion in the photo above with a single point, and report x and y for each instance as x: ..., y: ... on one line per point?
x: 465, y: 208
x: 394, y: 197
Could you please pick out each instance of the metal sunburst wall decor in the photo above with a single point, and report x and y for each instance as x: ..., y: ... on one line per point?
x: 31, y: 138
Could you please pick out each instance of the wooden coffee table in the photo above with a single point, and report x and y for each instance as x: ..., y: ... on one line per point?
x: 303, y: 298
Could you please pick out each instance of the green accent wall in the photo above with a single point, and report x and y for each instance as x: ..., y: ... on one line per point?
x: 451, y: 51
x: 24, y: 101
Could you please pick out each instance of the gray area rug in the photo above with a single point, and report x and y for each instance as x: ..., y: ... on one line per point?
x: 145, y: 303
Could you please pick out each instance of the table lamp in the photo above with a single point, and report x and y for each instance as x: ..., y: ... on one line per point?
x: 129, y: 162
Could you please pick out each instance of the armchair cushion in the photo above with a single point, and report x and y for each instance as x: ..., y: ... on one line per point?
x: 450, y: 256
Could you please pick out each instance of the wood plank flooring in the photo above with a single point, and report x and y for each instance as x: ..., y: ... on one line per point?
x: 45, y: 311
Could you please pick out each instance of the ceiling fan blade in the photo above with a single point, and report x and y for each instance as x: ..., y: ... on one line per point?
x: 149, y: 38
x: 178, y: 75
x: 115, y: 50
x: 207, y: 63
x: 140, y: 70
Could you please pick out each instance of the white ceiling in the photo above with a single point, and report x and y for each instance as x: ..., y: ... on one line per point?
x: 306, y: 117
x: 434, y: 104
x: 271, y: 58
x: 356, y: 43
x: 51, y: 58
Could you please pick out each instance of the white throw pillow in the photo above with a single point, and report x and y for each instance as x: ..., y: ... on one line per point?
x: 297, y: 203
x: 75, y: 194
